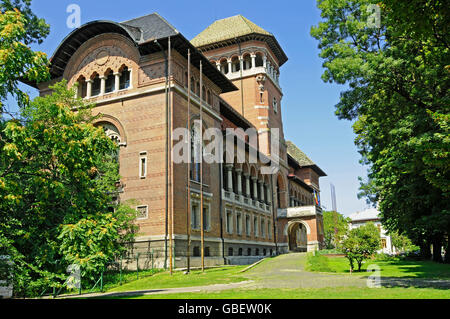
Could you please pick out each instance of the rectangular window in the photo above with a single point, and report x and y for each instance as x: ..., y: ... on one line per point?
x: 143, y: 165
x: 247, y: 226
x: 195, y: 216
x: 142, y: 212
x: 206, y: 218
x: 229, y: 222
x: 383, y: 243
x: 269, y: 230
x: 239, y: 223
x: 263, y: 229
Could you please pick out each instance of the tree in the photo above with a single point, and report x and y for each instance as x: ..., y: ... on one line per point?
x: 335, y: 228
x: 19, y: 28
x: 57, y: 176
x: 397, y: 78
x: 401, y: 242
x: 360, y: 244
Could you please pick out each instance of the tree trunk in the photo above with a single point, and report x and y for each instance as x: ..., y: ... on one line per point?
x: 447, y: 253
x: 437, y: 250
x: 425, y: 252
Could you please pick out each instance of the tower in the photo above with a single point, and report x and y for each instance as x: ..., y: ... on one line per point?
x: 251, y: 58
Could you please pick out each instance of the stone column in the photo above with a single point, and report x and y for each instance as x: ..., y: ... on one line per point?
x: 247, y: 185
x: 261, y: 190
x: 268, y: 68
x: 255, y: 187
x: 241, y: 62
x: 253, y: 56
x: 89, y: 88
x: 239, y: 181
x: 229, y: 168
x: 265, y: 62
x: 117, y: 81
x: 229, y: 66
x: 102, y: 85
x: 268, y: 197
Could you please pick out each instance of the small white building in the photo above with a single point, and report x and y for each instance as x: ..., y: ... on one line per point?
x: 372, y: 215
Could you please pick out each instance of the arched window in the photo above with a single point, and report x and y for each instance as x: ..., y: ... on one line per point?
x: 110, y: 82
x: 247, y: 62
x: 186, y: 79
x: 224, y: 66
x: 275, y: 105
x: 82, y: 87
x: 197, y: 88
x: 125, y: 78
x: 196, y: 152
x: 96, y: 85
x: 113, y: 133
x: 192, y: 85
x: 209, y: 100
x: 259, y: 60
x: 204, y: 93
x: 236, y: 64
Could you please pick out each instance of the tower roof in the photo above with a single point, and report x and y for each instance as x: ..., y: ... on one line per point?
x: 227, y: 29
x: 301, y: 158
x: 237, y: 27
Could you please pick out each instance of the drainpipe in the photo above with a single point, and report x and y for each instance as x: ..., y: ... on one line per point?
x: 241, y: 66
x: 167, y: 151
x: 275, y: 214
x: 221, y: 212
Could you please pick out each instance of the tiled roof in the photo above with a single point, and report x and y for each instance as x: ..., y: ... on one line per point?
x: 368, y: 214
x: 298, y: 155
x: 226, y: 29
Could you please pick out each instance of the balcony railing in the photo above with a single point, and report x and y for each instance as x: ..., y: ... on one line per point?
x: 246, y: 201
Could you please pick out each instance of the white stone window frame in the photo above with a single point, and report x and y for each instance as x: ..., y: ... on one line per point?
x: 143, y: 168
x: 146, y: 212
x: 207, y: 207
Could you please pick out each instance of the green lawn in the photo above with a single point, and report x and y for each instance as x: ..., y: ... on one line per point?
x: 323, y: 293
x: 223, y: 275
x: 395, y: 267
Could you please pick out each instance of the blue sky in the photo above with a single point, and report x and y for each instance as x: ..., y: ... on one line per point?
x: 308, y: 103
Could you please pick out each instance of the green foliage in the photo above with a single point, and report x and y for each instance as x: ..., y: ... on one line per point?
x: 360, y: 244
x: 397, y: 79
x: 56, y: 199
x: 317, y: 262
x: 335, y: 228
x: 402, y: 243
x: 20, y: 27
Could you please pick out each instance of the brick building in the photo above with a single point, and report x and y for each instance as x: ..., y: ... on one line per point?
x: 140, y: 88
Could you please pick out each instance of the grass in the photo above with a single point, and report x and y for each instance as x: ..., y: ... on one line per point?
x: 323, y: 293
x: 223, y: 275
x: 393, y: 267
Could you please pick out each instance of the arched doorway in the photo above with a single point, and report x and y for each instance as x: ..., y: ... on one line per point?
x: 298, y: 237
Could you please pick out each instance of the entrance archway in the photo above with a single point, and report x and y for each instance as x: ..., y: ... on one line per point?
x: 298, y: 237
